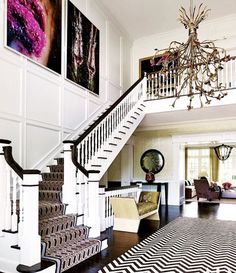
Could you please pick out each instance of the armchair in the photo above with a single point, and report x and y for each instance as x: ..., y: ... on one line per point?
x: 205, y: 191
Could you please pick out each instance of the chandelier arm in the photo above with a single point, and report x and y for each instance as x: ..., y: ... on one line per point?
x: 201, y: 16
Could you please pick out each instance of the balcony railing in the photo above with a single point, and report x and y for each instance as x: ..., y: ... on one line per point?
x: 165, y: 85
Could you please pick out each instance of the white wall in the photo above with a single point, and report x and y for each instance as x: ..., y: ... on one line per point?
x: 222, y: 30
x: 39, y: 108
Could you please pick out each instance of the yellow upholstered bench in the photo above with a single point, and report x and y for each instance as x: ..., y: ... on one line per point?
x: 128, y: 213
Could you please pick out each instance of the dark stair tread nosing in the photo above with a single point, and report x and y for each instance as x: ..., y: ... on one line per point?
x: 133, y: 117
x: 45, y: 263
x: 15, y: 247
x: 117, y: 137
x: 10, y: 231
x: 143, y: 105
x: 102, y: 157
x: 96, y: 165
x: 108, y: 151
x: 126, y: 127
x: 137, y: 113
x: 130, y: 122
x: 113, y: 144
x: 140, y: 109
x: 124, y: 133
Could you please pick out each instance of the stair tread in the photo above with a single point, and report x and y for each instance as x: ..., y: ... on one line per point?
x: 64, y: 216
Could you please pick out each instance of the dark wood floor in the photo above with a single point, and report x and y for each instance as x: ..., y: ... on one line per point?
x: 119, y: 242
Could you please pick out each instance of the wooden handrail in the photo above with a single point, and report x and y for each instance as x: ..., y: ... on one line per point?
x: 5, y: 141
x: 14, y: 165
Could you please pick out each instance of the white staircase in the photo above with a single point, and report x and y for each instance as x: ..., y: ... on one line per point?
x: 87, y: 159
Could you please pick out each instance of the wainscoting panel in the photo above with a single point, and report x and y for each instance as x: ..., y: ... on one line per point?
x: 42, y: 99
x: 113, y: 55
x: 11, y: 130
x: 113, y: 92
x: 98, y: 18
x: 74, y: 109
x: 92, y: 107
x: 11, y: 86
x: 40, y: 141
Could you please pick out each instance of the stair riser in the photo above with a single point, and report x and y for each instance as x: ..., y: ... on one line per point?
x: 53, y: 176
x: 50, y: 196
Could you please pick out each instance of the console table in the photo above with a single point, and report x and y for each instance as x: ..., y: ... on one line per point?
x: 157, y: 185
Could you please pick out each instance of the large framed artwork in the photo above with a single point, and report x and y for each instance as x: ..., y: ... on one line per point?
x: 82, y: 50
x: 34, y: 30
x: 148, y: 64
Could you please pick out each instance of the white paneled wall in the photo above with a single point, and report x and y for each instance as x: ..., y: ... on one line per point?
x: 39, y: 108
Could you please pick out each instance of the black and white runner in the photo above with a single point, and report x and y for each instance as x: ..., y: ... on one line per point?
x: 186, y: 245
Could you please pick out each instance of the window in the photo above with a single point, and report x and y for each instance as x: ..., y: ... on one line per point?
x: 198, y: 162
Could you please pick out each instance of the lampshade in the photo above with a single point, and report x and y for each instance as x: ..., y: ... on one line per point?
x: 223, y: 151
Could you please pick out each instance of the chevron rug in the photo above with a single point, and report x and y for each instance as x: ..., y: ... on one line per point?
x: 185, y: 245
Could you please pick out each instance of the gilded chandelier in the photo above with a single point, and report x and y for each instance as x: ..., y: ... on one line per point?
x: 194, y: 64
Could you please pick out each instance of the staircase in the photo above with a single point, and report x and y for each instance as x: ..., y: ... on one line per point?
x: 52, y: 219
x: 63, y: 241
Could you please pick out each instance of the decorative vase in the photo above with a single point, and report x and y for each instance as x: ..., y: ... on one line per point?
x: 150, y: 177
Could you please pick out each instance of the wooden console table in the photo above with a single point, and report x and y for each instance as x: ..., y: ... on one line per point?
x: 158, y: 187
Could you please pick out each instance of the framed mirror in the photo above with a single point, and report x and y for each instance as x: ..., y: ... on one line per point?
x: 152, y: 161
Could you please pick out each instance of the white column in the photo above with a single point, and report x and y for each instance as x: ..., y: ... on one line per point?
x: 3, y: 186
x: 102, y: 208
x: 30, y: 252
x: 93, y: 217
x: 69, y: 188
x: 144, y: 86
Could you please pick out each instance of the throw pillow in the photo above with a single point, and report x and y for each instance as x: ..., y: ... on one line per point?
x: 226, y: 185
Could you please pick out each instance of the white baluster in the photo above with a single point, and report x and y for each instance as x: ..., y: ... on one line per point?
x: 14, y: 208
x: 226, y: 75
x: 231, y: 74
x: 21, y: 214
x: 8, y: 198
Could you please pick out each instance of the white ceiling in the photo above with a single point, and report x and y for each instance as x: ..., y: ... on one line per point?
x: 145, y: 17
x: 213, y: 118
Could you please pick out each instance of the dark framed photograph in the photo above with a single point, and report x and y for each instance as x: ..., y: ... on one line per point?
x: 34, y: 30
x: 82, y: 50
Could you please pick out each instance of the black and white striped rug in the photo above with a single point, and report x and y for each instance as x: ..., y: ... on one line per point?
x: 185, y: 245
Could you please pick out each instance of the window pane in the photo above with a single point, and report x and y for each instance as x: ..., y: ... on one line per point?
x: 198, y: 162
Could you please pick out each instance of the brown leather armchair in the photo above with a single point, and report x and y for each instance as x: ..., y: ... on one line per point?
x: 205, y: 191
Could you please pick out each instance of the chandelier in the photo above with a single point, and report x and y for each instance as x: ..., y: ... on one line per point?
x: 223, y: 151
x: 194, y: 66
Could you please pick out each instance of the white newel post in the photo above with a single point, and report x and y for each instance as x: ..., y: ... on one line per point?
x: 30, y: 252
x: 69, y: 188
x: 93, y: 217
x: 102, y: 209
x: 144, y: 86
x: 3, y: 187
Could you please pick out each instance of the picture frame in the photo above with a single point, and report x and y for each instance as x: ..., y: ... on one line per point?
x: 153, y: 64
x: 34, y: 30
x: 145, y: 64
x: 83, y: 36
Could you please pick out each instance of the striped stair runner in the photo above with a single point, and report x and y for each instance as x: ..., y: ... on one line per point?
x: 62, y: 240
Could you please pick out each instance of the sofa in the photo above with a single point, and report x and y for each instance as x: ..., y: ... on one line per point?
x: 190, y: 190
x: 128, y: 213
